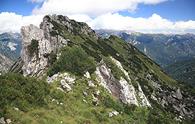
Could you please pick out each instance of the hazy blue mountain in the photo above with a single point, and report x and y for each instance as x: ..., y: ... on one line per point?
x: 10, y: 47
x: 163, y: 49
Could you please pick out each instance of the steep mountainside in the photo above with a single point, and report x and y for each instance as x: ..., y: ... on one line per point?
x: 163, y: 49
x: 183, y: 71
x: 90, y: 80
x: 5, y: 63
x: 10, y: 47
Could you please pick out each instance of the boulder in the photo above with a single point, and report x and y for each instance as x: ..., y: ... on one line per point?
x: 65, y: 86
x: 2, y: 120
x: 113, y: 113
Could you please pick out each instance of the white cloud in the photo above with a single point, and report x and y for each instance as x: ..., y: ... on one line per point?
x: 12, y: 46
x: 153, y: 24
x: 89, y: 7
x: 80, y: 17
x: 13, y: 22
x: 99, y: 14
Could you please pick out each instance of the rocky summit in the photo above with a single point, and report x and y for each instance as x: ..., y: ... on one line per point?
x: 67, y: 74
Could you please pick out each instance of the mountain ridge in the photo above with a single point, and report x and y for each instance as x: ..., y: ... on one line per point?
x: 164, y: 49
x: 94, y: 77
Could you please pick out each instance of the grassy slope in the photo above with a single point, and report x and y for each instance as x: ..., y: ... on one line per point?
x: 183, y: 71
x: 74, y: 110
x: 70, y: 108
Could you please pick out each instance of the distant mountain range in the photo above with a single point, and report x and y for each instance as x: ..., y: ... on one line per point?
x: 171, y: 51
x: 10, y: 47
x: 163, y: 49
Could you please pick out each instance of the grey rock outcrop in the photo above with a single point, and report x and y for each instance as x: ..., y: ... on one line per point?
x: 71, y: 26
x: 50, y: 39
x: 120, y: 89
x: 113, y: 113
x: 2, y: 120
x: 17, y: 66
x: 36, y: 62
x: 5, y: 63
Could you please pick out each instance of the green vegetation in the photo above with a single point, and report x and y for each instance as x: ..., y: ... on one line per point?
x: 37, y: 105
x: 54, y: 106
x: 74, y: 60
x: 51, y: 105
x: 114, y: 69
x: 157, y: 116
x: 23, y: 93
x: 183, y: 71
x: 33, y: 47
x: 52, y: 58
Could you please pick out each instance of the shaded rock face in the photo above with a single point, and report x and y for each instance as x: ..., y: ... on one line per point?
x: 107, y: 80
x: 5, y: 63
x: 17, y: 66
x: 173, y: 99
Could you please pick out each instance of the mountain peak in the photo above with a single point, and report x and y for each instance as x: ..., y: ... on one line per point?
x: 53, y: 34
x: 61, y: 22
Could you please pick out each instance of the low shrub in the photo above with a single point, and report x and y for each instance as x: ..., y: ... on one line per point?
x: 33, y: 47
x: 74, y: 60
x: 114, y: 68
x: 21, y: 92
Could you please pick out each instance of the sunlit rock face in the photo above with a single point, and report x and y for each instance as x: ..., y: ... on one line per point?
x: 123, y: 88
x: 49, y: 40
x: 34, y: 60
x: 128, y: 94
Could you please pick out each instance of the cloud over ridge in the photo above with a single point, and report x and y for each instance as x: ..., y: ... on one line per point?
x: 89, y: 7
x: 99, y: 14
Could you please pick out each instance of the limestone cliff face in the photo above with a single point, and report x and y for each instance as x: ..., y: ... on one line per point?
x: 49, y: 41
x: 121, y: 89
x: 34, y: 60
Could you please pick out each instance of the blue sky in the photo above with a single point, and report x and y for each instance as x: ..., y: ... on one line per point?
x: 140, y: 15
x: 22, y: 7
x: 173, y: 10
